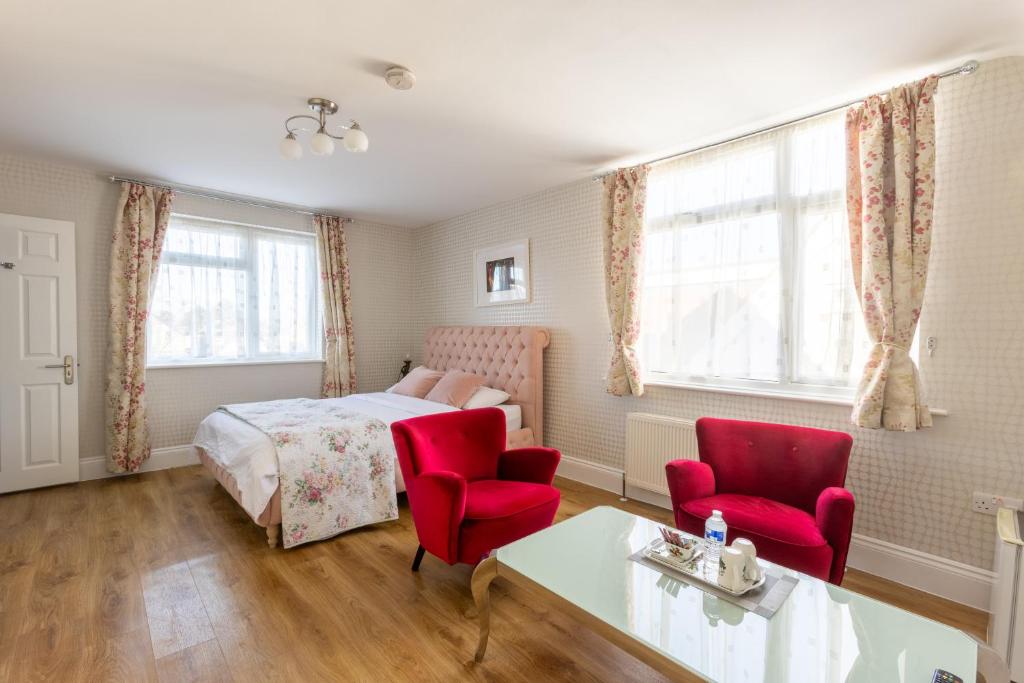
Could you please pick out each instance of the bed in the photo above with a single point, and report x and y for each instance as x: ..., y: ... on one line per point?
x: 244, y: 459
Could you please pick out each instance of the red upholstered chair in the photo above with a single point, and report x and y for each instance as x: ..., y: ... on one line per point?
x: 779, y: 486
x: 468, y: 494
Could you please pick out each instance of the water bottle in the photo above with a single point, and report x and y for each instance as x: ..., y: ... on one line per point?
x: 714, y: 540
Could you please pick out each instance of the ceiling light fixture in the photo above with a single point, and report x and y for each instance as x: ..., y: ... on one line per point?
x: 322, y: 143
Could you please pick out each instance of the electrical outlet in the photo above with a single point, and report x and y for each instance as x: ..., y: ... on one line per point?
x: 988, y: 503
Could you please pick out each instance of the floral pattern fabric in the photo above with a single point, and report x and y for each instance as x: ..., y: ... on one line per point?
x: 625, y: 195
x: 139, y: 228
x: 336, y: 467
x: 339, y: 376
x: 890, y: 189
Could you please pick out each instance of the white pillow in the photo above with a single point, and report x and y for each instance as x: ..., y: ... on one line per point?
x: 485, y: 397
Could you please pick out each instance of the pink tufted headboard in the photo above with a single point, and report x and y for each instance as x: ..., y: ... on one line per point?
x: 510, y: 358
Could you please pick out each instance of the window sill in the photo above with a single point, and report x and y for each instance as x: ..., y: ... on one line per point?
x: 235, y: 364
x: 760, y: 393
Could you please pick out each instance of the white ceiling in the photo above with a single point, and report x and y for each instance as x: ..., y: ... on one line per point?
x: 512, y: 97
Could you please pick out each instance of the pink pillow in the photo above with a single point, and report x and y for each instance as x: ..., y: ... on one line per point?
x: 418, y: 382
x: 455, y: 388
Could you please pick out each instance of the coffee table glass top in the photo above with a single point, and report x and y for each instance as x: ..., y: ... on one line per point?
x: 821, y: 633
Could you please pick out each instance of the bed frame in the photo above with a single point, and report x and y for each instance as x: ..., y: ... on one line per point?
x: 510, y: 358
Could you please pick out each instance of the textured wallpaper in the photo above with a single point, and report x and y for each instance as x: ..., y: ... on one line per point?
x: 180, y: 397
x: 912, y: 489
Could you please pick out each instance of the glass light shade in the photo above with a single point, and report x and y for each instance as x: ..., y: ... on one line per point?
x: 321, y: 144
x: 290, y: 148
x: 355, y: 140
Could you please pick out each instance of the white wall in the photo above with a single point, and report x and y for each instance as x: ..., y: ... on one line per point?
x: 913, y: 489
x: 179, y: 398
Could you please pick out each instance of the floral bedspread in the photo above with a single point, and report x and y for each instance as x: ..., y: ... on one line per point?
x: 336, y: 466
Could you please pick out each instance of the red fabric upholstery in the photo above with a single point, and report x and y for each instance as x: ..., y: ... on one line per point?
x: 781, y: 533
x: 533, y: 463
x: 468, y: 495
x: 778, y: 485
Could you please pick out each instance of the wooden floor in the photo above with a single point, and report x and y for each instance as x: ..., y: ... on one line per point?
x: 161, y: 576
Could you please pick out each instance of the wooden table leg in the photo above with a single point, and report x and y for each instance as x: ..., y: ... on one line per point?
x: 481, y: 584
x: 273, y: 534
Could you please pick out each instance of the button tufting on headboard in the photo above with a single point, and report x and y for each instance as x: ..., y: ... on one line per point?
x: 509, y: 358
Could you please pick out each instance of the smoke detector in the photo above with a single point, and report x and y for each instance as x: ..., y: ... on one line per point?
x: 400, y: 78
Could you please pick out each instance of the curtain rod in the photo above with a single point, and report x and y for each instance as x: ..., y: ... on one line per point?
x: 966, y: 68
x: 224, y: 197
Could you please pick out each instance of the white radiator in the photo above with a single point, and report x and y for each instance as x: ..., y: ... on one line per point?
x: 652, y: 441
x: 1006, y: 625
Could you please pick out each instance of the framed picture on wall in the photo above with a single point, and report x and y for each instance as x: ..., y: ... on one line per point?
x: 502, y: 274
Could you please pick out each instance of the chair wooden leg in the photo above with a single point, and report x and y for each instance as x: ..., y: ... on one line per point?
x: 480, y: 584
x: 419, y: 558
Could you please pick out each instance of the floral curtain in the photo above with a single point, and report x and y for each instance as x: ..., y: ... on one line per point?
x: 890, y: 187
x: 625, y: 194
x: 339, y: 377
x: 139, y: 228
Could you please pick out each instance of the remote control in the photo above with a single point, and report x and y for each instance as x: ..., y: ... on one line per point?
x: 941, y: 676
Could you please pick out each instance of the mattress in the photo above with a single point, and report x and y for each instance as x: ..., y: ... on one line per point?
x: 513, y: 416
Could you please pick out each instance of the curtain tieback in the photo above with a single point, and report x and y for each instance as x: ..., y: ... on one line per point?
x: 904, y: 349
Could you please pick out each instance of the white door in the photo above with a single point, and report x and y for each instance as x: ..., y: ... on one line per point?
x: 38, y: 353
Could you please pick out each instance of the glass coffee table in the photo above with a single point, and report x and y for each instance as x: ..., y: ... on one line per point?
x: 821, y: 632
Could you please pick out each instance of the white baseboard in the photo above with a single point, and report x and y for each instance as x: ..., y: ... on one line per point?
x: 159, y: 459
x: 649, y: 497
x: 599, y: 476
x: 939, y: 576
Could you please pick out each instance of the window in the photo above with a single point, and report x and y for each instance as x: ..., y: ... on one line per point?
x: 747, y: 281
x: 227, y: 293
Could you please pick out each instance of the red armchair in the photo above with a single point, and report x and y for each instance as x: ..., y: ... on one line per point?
x: 468, y: 495
x: 779, y: 486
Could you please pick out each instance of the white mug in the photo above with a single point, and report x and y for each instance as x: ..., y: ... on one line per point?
x: 730, y: 570
x: 751, y: 569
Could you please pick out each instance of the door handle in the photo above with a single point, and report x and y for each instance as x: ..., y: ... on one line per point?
x: 69, y: 369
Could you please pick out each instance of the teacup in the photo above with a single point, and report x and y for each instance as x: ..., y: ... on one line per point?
x: 751, y: 569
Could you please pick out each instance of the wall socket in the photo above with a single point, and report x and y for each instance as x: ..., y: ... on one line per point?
x: 988, y: 503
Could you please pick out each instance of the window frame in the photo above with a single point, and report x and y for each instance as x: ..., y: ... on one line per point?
x: 786, y: 204
x: 247, y: 263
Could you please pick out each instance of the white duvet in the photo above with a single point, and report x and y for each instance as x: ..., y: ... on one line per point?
x: 249, y: 456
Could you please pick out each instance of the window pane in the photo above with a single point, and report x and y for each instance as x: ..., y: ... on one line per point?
x: 287, y: 296
x: 227, y: 292
x: 747, y: 264
x: 198, y: 314
x: 711, y: 303
x: 191, y: 239
x: 819, y: 157
x: 829, y: 332
x: 726, y: 179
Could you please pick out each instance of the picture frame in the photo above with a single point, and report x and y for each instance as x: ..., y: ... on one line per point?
x: 501, y: 274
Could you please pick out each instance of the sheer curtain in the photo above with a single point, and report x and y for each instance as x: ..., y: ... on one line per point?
x: 747, y: 275
x: 229, y: 292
